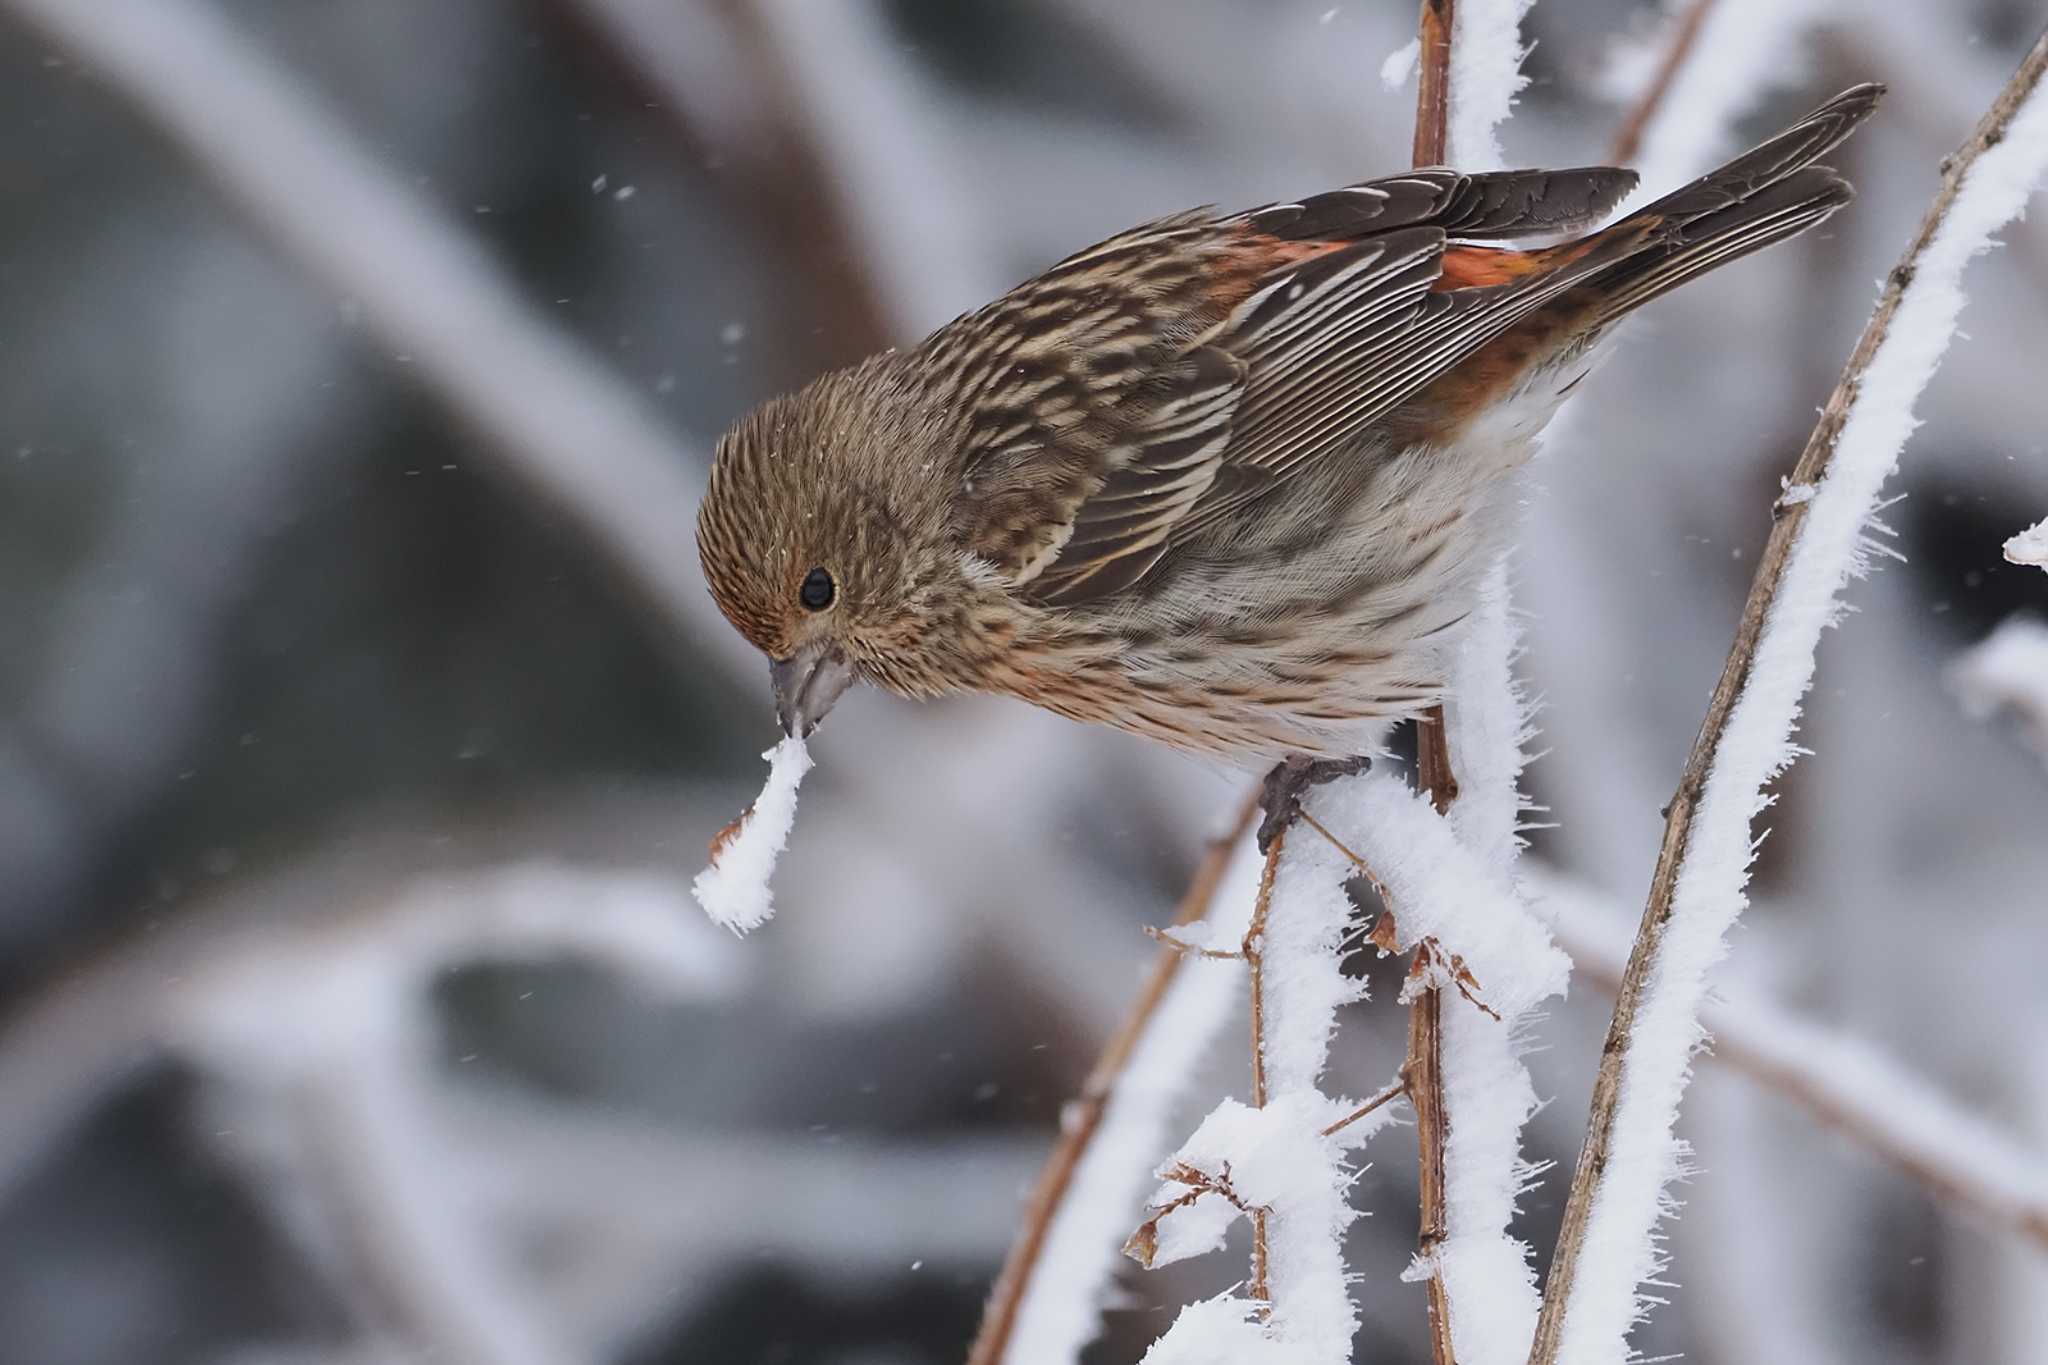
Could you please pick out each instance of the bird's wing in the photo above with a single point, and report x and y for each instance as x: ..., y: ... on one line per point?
x: 1148, y: 385
x: 1092, y: 418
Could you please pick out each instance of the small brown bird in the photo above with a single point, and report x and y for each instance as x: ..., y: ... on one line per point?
x: 1225, y: 482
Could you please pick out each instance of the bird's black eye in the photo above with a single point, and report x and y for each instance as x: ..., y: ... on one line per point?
x: 818, y: 590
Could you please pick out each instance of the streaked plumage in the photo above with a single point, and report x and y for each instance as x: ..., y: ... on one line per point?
x: 1222, y: 481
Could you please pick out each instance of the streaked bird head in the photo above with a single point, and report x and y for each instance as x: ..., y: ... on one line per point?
x: 824, y: 541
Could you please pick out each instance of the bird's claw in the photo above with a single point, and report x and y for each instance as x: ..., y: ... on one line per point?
x: 1293, y: 778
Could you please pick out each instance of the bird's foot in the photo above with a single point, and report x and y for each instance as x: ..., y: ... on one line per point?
x: 1293, y: 778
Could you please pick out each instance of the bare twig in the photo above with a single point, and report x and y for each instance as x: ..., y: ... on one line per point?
x: 1255, y: 960
x: 1685, y: 31
x: 1813, y: 465
x: 1433, y: 87
x: 1397, y: 1090
x: 1083, y: 1116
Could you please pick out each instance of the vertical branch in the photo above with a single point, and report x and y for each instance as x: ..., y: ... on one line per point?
x: 1255, y: 961
x: 1433, y: 88
x: 1426, y: 1093
x: 1424, y: 1069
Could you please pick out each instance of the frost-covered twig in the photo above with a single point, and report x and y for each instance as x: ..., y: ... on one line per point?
x: 1844, y: 1083
x: 1488, y: 1093
x: 1606, y: 1246
x: 734, y: 889
x: 563, y: 426
x: 1295, y: 951
x: 1485, y: 75
x: 1470, y: 1090
x: 1045, y: 1303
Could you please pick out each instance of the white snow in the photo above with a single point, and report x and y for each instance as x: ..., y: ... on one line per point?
x: 1189, y: 1230
x: 1300, y: 957
x: 2008, y: 671
x: 1439, y: 889
x: 1488, y: 1094
x: 1300, y: 952
x: 1219, y: 1331
x: 1279, y: 1159
x: 1060, y: 1311
x: 734, y: 889
x: 1620, y: 1251
x: 2030, y: 546
x: 1399, y: 67
x: 1486, y: 75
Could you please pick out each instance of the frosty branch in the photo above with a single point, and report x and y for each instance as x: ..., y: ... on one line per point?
x: 1081, y: 1123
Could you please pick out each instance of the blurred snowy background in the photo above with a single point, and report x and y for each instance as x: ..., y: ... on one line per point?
x: 356, y: 744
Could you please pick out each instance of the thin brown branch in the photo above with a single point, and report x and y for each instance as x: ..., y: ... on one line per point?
x: 1685, y: 34
x: 1433, y: 760
x: 1433, y: 86
x: 1424, y: 1067
x: 1255, y: 959
x: 1426, y: 1092
x: 1393, y: 1092
x: 1789, y: 519
x: 1187, y: 949
x: 1083, y: 1117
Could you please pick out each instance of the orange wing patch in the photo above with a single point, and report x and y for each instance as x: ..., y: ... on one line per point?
x: 1476, y: 267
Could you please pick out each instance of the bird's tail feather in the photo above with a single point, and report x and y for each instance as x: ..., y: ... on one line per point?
x: 1767, y: 194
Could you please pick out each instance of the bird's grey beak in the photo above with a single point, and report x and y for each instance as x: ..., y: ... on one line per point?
x: 806, y: 685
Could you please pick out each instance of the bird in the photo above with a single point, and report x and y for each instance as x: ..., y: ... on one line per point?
x: 1229, y: 482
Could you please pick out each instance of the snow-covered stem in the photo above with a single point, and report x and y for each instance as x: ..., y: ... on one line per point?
x: 1486, y: 54
x: 734, y: 890
x: 1842, y: 1082
x: 1045, y: 1302
x: 1297, y: 958
x: 1489, y: 1095
x: 1606, y: 1246
x: 1470, y: 1091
